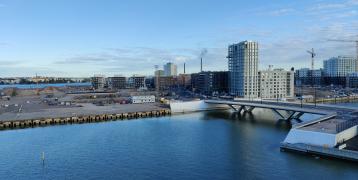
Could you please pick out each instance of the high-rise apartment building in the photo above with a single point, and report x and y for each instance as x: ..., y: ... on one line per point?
x: 243, y: 69
x: 339, y: 66
x: 170, y: 69
x: 159, y: 72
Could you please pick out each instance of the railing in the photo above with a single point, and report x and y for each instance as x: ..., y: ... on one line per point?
x: 346, y: 125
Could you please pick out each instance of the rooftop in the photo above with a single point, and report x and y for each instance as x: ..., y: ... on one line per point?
x: 325, y: 126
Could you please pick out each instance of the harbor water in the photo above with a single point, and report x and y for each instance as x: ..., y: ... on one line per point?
x: 204, y: 145
x: 36, y: 86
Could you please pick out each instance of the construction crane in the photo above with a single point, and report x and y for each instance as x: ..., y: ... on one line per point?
x: 313, y: 54
x: 345, y: 40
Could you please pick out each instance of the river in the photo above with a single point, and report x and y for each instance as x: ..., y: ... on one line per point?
x: 204, y: 145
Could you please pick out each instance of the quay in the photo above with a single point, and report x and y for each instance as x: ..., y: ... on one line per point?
x: 344, y: 154
x: 86, y: 117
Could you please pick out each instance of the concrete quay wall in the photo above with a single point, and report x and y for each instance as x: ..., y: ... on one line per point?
x: 321, y: 151
x: 28, y: 123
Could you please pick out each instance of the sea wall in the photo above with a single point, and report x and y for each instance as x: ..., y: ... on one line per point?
x: 29, y: 123
x: 320, y: 139
x: 347, y: 134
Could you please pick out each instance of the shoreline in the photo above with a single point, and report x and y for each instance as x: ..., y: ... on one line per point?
x: 89, y: 118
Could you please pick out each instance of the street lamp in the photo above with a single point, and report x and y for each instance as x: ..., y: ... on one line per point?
x: 260, y: 94
x: 301, y: 98
x: 315, y: 96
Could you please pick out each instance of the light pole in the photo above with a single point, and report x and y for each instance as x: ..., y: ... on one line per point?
x: 301, y: 98
x: 260, y: 94
x: 315, y: 96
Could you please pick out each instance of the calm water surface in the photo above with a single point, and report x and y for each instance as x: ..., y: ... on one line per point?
x: 34, y: 86
x: 203, y: 145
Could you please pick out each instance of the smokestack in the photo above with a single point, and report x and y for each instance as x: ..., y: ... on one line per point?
x: 184, y: 68
x: 201, y: 64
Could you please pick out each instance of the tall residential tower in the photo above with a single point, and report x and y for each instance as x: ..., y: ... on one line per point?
x: 243, y: 69
x: 170, y: 69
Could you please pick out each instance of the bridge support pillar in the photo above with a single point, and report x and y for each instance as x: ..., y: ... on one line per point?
x: 250, y: 109
x: 291, y: 115
x: 233, y: 107
x: 242, y: 108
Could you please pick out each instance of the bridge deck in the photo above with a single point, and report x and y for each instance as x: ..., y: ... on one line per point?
x: 285, y: 107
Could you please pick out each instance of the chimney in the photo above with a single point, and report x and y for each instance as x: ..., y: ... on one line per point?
x: 184, y: 68
x: 201, y: 64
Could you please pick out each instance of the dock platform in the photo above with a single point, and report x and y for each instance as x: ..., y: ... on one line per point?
x: 322, y: 151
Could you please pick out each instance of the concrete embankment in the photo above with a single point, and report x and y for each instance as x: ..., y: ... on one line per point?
x: 322, y: 151
x: 27, y: 123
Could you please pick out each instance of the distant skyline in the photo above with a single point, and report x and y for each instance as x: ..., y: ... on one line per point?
x: 79, y: 38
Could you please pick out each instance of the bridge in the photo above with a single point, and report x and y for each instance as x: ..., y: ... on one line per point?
x: 333, y: 134
x: 293, y: 110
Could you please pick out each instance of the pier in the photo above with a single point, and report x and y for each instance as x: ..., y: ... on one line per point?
x: 28, y: 123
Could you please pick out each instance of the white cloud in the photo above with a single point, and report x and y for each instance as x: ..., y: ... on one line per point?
x: 281, y: 12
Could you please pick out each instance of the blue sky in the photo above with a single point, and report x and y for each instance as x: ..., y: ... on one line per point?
x: 86, y: 37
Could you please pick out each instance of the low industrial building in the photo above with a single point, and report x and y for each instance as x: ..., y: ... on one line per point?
x: 117, y: 82
x: 136, y: 81
x: 166, y: 82
x: 142, y: 99
x: 210, y: 82
x: 98, y: 81
x: 352, y: 80
x: 184, y: 80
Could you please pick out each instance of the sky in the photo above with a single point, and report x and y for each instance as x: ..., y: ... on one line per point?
x: 80, y: 38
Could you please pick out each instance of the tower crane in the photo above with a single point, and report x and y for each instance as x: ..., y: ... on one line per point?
x: 346, y: 40
x: 313, y: 54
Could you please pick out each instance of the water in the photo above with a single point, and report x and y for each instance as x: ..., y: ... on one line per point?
x: 206, y: 145
x: 34, y: 86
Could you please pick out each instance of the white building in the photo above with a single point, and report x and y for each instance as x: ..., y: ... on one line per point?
x: 170, y: 69
x: 276, y: 83
x: 339, y: 66
x: 142, y: 99
x: 243, y: 69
